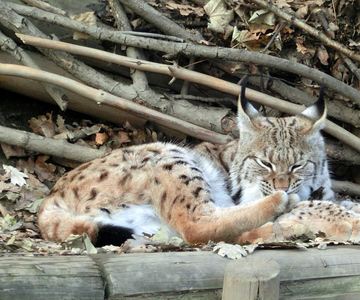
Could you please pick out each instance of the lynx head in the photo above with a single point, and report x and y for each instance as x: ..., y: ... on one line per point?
x: 275, y: 154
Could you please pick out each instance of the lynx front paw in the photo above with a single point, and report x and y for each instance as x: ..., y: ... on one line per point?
x: 293, y: 200
x: 281, y: 200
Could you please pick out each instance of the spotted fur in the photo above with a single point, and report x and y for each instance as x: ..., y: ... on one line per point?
x: 209, y: 193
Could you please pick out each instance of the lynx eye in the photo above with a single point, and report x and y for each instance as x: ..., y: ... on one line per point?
x: 297, y: 167
x: 265, y: 164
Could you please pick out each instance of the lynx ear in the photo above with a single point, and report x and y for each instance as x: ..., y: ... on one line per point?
x: 246, y: 112
x: 316, y: 113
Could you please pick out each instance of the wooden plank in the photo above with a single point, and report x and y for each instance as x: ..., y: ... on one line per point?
x: 251, y: 279
x: 71, y: 277
x: 312, y: 274
x: 306, y: 273
x: 134, y: 274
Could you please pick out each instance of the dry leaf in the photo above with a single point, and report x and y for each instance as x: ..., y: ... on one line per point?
x: 43, y: 125
x: 230, y: 251
x: 184, y: 9
x: 323, y: 55
x: 101, y: 138
x: 263, y: 16
x: 12, y: 150
x: 220, y: 17
x: 16, y: 177
x: 88, y: 18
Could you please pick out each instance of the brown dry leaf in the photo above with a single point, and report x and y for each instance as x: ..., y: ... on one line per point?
x: 60, y: 122
x: 43, y: 125
x: 263, y: 16
x: 116, y: 140
x: 101, y: 138
x: 44, y: 171
x: 220, y: 17
x: 88, y: 18
x: 302, y: 12
x: 4, y: 186
x: 243, y: 37
x: 12, y: 150
x: 283, y: 3
x: 27, y: 197
x: 184, y: 9
x: 323, y: 55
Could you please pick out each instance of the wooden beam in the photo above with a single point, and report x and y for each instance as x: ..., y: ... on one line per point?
x: 304, y: 274
x: 251, y: 279
x: 44, y: 278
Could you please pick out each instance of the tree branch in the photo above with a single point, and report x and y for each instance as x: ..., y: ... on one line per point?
x: 190, y: 49
x: 104, y: 98
x: 196, y: 77
x: 307, y: 28
x: 41, y: 144
x: 56, y: 93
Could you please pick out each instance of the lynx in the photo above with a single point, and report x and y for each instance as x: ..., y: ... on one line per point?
x: 211, y: 192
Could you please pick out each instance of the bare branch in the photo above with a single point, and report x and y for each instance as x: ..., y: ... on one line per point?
x: 104, y: 98
x: 307, y: 28
x: 190, y: 49
x: 200, y: 78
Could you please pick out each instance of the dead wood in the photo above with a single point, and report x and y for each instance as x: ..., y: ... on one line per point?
x: 190, y: 49
x: 234, y: 89
x: 316, y: 33
x: 96, y: 79
x: 104, y: 98
x: 13, y: 49
x: 41, y: 144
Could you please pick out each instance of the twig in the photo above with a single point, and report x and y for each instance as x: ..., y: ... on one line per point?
x: 276, y: 33
x: 312, y: 31
x: 140, y: 82
x: 159, y: 20
x: 41, y: 144
x: 346, y: 187
x: 56, y: 93
x: 46, y: 6
x: 186, y: 84
x: 342, y: 153
x: 196, y: 77
x: 190, y: 49
x: 335, y: 108
x: 98, y: 80
x: 16, y: 23
x: 102, y: 97
x: 353, y: 68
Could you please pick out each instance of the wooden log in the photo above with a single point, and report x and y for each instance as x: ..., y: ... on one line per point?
x: 303, y: 274
x: 333, y: 273
x: 43, y: 278
x: 251, y: 279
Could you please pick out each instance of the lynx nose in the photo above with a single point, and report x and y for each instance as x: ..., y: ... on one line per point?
x: 281, y: 184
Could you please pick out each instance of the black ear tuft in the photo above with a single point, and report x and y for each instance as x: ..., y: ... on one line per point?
x: 320, y: 103
x: 112, y: 235
x: 243, y: 101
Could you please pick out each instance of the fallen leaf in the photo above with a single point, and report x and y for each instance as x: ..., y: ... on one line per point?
x: 230, y: 251
x: 12, y: 150
x: 88, y: 18
x: 220, y: 17
x: 263, y: 16
x: 101, y: 138
x: 323, y: 55
x: 43, y: 125
x: 16, y: 177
